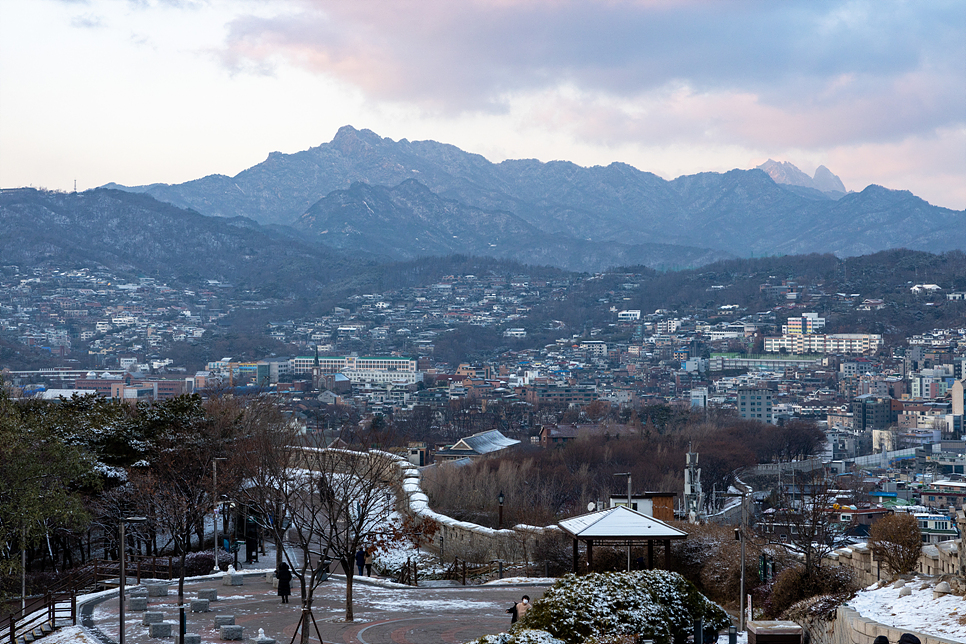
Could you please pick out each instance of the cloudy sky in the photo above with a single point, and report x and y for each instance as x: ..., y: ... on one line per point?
x: 143, y: 91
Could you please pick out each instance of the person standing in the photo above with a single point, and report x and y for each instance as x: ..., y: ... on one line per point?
x: 368, y: 562
x: 284, y: 582
x: 361, y: 561
x: 519, y: 609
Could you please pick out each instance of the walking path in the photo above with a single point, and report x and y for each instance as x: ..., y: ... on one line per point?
x: 385, y: 613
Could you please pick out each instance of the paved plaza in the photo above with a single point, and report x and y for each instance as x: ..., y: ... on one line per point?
x: 384, y: 613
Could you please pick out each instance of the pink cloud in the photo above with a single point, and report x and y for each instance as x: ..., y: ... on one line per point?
x: 758, y: 75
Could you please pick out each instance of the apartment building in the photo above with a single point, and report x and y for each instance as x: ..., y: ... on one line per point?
x: 818, y: 343
x: 756, y: 404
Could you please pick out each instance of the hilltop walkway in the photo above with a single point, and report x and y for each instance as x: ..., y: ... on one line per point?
x: 384, y: 613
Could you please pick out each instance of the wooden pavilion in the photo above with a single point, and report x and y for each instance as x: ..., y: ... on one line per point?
x: 620, y: 527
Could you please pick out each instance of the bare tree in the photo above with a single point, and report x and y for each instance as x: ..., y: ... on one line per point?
x: 806, y: 509
x: 327, y: 503
x: 896, y: 540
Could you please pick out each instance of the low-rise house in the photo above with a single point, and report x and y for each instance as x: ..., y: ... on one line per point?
x: 482, y: 444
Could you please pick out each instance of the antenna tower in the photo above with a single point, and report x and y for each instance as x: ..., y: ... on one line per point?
x: 693, y: 498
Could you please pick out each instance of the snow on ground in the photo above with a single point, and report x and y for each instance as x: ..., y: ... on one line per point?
x: 945, y: 617
x: 459, y: 605
x: 70, y: 635
x: 512, y: 581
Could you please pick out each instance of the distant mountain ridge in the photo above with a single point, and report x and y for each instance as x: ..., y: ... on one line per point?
x: 582, y: 218
x: 138, y: 233
x: 410, y: 221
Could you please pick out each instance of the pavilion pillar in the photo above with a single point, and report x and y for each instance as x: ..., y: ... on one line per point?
x: 590, y: 555
x: 667, y: 554
x: 576, y: 554
x: 650, y: 554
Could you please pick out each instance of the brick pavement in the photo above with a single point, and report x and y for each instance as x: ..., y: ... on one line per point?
x: 383, y: 615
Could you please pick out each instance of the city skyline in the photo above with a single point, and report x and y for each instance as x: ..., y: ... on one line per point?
x: 168, y: 91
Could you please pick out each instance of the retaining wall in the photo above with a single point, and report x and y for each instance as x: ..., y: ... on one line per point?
x: 849, y: 627
x: 466, y: 540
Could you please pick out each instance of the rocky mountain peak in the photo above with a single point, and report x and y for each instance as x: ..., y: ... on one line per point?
x: 826, y: 181
x: 788, y: 174
x: 349, y: 140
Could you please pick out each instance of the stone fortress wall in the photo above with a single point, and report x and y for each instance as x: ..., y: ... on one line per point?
x: 848, y: 627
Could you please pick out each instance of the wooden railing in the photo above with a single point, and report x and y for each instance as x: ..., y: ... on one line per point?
x: 408, y: 574
x: 59, y: 602
x: 37, y: 611
x: 42, y: 610
x: 461, y: 569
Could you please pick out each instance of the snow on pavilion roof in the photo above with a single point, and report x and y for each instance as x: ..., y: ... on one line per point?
x: 619, y: 523
x: 485, y: 442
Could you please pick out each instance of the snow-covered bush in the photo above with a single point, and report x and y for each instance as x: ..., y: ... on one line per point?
x: 521, y: 636
x: 654, y: 604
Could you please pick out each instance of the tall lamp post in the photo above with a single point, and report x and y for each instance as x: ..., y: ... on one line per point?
x: 214, y: 510
x: 740, y: 536
x: 501, y: 499
x: 123, y: 580
x: 629, y: 507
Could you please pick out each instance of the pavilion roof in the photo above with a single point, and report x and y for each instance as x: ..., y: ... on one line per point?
x: 619, y: 523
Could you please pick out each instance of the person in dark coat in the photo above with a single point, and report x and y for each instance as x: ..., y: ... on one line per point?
x: 361, y: 561
x: 882, y: 639
x: 908, y: 638
x: 284, y: 582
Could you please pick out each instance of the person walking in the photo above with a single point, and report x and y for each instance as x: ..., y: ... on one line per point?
x: 361, y: 561
x: 368, y: 562
x: 519, y: 609
x: 284, y: 582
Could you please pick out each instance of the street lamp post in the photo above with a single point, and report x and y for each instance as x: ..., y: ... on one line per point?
x: 214, y: 511
x: 501, y: 499
x: 741, y: 532
x: 629, y: 507
x: 123, y: 579
x: 740, y: 536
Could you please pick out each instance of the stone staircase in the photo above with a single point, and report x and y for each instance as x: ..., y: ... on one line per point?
x: 45, y: 628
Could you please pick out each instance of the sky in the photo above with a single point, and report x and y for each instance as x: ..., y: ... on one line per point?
x: 146, y: 91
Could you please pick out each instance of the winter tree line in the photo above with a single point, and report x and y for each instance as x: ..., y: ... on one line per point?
x: 72, y: 470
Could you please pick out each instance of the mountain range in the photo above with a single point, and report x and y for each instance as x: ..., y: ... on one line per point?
x: 137, y: 233
x: 404, y: 199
